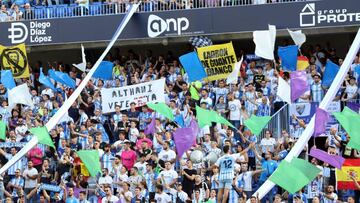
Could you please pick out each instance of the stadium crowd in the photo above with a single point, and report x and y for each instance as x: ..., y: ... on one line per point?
x: 138, y: 168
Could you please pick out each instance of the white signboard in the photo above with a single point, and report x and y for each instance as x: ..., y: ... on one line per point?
x: 141, y: 94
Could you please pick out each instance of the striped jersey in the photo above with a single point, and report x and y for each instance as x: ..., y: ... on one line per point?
x: 14, y: 167
x: 106, y: 161
x: 226, y: 165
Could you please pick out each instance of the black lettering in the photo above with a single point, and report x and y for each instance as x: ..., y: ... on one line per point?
x: 119, y: 93
x: 150, y: 88
x: 127, y: 104
x: 125, y: 91
x: 132, y: 91
x: 137, y: 90
x: 113, y: 94
x: 110, y: 105
x: 153, y: 97
x: 143, y: 89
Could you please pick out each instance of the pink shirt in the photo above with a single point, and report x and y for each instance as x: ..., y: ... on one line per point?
x: 138, y: 143
x: 35, y: 151
x: 128, y: 158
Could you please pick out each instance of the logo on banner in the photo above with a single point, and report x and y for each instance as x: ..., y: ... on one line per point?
x: 310, y: 16
x: 157, y: 26
x: 37, y: 32
x: 18, y: 33
x: 307, y: 15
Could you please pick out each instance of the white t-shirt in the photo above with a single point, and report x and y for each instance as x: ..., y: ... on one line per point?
x: 238, y: 156
x: 167, y: 155
x: 267, y: 144
x: 162, y: 198
x: 141, y: 167
x: 246, y: 177
x: 234, y: 107
x: 351, y: 91
x: 105, y: 180
x: 29, y: 183
x: 134, y: 133
x: 111, y: 199
x: 168, y: 176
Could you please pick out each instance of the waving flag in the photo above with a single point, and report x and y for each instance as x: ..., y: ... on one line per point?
x: 7, y: 79
x: 20, y: 95
x: 298, y: 84
x: 350, y: 120
x: 233, y: 76
x: 288, y: 56
x: 257, y: 123
x: 265, y: 42
x: 333, y: 160
x: 104, y: 71
x: 302, y: 63
x: 150, y: 129
x: 162, y: 109
x: 2, y: 130
x: 43, y: 136
x: 193, y: 66
x: 67, y: 80
x: 283, y: 90
x: 298, y: 37
x: 46, y: 81
x: 91, y: 160
x: 331, y: 69
x: 81, y: 66
x: 351, y: 167
x: 321, y: 118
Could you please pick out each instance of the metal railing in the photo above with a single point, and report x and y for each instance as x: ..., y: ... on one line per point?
x: 279, y: 121
x: 98, y: 8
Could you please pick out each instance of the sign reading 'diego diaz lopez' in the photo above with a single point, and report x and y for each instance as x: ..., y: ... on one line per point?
x: 141, y: 94
x: 218, y: 60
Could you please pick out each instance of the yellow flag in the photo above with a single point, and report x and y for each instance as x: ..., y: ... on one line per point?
x: 218, y: 60
x: 14, y: 58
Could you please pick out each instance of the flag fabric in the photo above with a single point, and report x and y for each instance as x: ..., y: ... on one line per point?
x: 302, y: 63
x: 288, y: 56
x: 321, y: 118
x: 350, y: 120
x: 7, y: 79
x: 19, y: 95
x: 298, y: 84
x: 256, y: 123
x: 43, y: 136
x: 179, y: 120
x: 2, y: 130
x: 104, y: 71
x: 67, y: 80
x: 193, y: 66
x: 217, y: 118
x: 265, y: 42
x: 351, y: 167
x: 331, y: 69
x: 333, y: 160
x: 295, y: 175
x: 184, y: 139
x: 46, y: 81
x: 150, y: 129
x: 15, y: 59
x: 194, y: 125
x: 283, y: 90
x: 194, y: 93
x: 81, y: 66
x: 233, y: 76
x: 162, y: 109
x: 298, y: 37
x: 206, y: 117
x: 91, y: 160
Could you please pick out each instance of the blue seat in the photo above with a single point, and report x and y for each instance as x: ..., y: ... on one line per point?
x: 95, y: 9
x: 40, y: 13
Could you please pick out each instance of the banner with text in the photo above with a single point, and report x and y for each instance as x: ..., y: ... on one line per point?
x: 218, y: 60
x: 305, y: 111
x: 14, y: 58
x: 141, y: 94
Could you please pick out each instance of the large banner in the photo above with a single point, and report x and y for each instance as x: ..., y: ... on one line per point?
x: 305, y: 111
x: 14, y: 58
x: 351, y: 167
x: 141, y: 94
x: 218, y: 60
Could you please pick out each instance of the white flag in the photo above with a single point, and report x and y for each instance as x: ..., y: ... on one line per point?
x: 82, y: 66
x: 298, y: 37
x: 283, y: 90
x: 232, y: 77
x: 19, y: 95
x: 265, y: 42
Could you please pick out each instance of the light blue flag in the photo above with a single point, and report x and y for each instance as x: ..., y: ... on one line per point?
x: 179, y: 120
x: 68, y: 81
x: 104, y: 71
x: 7, y: 79
x: 331, y: 69
x: 46, y: 81
x: 193, y: 66
x: 288, y: 56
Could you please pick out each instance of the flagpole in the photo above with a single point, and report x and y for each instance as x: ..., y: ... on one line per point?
x: 67, y: 104
x: 309, y: 130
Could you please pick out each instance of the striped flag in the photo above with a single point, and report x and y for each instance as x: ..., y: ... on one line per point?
x: 351, y: 167
x: 302, y: 63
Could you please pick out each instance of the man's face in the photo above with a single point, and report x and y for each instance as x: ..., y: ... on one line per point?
x: 167, y: 165
x: 30, y: 164
x: 17, y: 173
x: 71, y: 192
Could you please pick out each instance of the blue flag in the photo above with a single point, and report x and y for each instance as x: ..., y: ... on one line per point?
x: 288, y: 56
x: 68, y: 81
x: 179, y: 120
x: 331, y: 69
x: 193, y: 66
x: 46, y: 81
x: 104, y: 71
x: 62, y: 78
x: 7, y: 79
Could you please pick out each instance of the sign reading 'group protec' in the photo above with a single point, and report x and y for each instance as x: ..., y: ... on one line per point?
x: 141, y: 94
x: 218, y: 60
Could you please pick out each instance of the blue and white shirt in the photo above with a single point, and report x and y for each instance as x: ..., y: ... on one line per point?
x: 226, y: 165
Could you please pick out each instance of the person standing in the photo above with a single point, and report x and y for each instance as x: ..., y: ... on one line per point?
x: 30, y: 174
x: 226, y: 164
